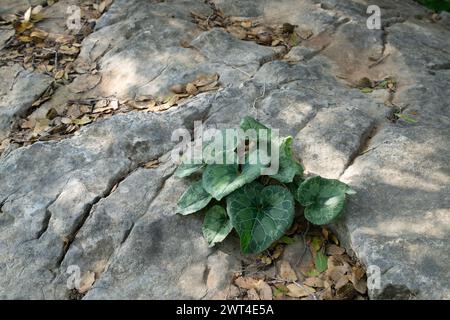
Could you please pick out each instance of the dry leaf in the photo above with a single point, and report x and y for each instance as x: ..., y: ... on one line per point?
x: 38, y: 33
x: 264, y: 290
x: 24, y: 39
x: 66, y: 120
x: 101, y: 7
x: 314, y: 282
x: 252, y: 294
x: 246, y: 24
x: 341, y: 282
x: 346, y: 292
x: 86, y: 282
x: 335, y: 273
x: 36, y: 10
x: 28, y: 124
x: 286, y: 272
x: 69, y: 50
x: 299, y: 291
x: 246, y: 282
x: 41, y: 126
x: 152, y: 164
x: 59, y: 74
x: 84, y: 120
x: 27, y: 15
x: 333, y: 250
x: 191, y: 89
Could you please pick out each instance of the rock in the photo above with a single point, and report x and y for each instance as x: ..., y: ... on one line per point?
x: 18, y: 90
x: 82, y: 217
x: 55, y: 185
x: 219, y: 46
x: 330, y: 141
x: 398, y: 222
x: 5, y: 34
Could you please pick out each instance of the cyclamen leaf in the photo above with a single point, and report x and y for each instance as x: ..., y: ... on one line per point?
x: 184, y: 169
x: 249, y: 123
x: 323, y: 198
x: 222, y: 179
x: 216, y: 225
x: 321, y: 262
x: 260, y: 215
x: 193, y: 199
x: 209, y: 150
x: 288, y: 166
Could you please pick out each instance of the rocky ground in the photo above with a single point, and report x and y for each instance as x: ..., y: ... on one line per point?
x: 85, y: 130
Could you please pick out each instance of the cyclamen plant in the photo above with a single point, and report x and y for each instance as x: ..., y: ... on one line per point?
x: 259, y: 207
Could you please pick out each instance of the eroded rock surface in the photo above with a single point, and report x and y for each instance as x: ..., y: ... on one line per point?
x: 86, y: 201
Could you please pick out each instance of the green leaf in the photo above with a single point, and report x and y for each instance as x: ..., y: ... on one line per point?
x: 185, y: 169
x: 406, y: 118
x: 323, y: 199
x: 316, y: 243
x: 260, y: 215
x: 216, y: 225
x: 366, y: 90
x: 193, y: 199
x: 321, y: 262
x: 249, y: 123
x: 288, y: 166
x: 222, y: 179
x: 287, y: 240
x: 313, y: 273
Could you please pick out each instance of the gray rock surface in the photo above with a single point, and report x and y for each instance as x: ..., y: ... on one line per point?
x: 87, y: 203
x: 18, y: 90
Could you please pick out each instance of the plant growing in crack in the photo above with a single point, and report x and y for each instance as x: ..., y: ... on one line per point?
x: 259, y: 206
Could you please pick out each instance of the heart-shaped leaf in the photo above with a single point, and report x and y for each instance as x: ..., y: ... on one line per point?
x: 222, y: 179
x: 224, y: 149
x: 288, y: 166
x: 249, y: 123
x: 193, y: 199
x: 260, y: 215
x: 323, y: 198
x: 216, y: 225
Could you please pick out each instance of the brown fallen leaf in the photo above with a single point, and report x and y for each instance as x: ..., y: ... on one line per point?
x: 314, y: 282
x: 341, y: 282
x: 264, y: 290
x: 41, y: 126
x: 346, y: 292
x: 152, y: 164
x: 69, y: 50
x: 84, y: 120
x: 333, y: 250
x: 286, y: 272
x: 299, y: 291
x: 38, y: 33
x: 335, y: 273
x: 246, y: 282
x: 191, y: 89
x: 86, y: 282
